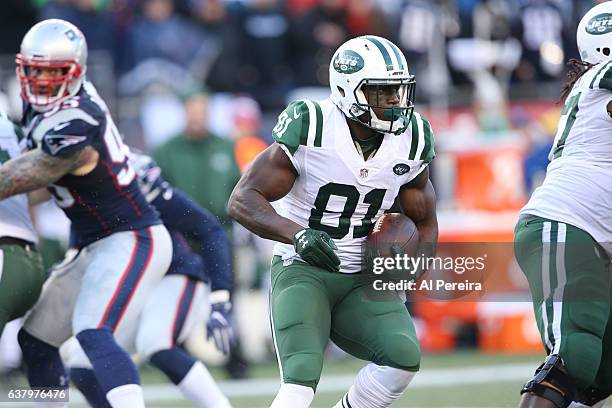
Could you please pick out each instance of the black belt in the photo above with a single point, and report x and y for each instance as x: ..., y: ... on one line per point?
x: 19, y: 242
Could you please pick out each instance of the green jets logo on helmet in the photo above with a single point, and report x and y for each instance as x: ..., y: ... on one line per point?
x: 600, y: 24
x: 348, y: 62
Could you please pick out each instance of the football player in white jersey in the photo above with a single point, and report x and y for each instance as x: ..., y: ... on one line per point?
x: 563, y: 235
x: 21, y: 268
x: 336, y: 166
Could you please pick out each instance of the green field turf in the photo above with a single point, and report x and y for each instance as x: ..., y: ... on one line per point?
x: 500, y: 395
x: 490, y: 394
x: 435, y: 386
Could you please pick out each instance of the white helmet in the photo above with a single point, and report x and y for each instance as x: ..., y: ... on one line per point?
x: 51, y: 43
x: 371, y: 61
x: 594, y: 35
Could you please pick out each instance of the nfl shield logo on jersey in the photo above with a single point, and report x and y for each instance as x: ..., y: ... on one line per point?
x: 363, y: 173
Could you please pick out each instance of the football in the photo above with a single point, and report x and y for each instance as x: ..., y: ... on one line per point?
x: 392, y: 234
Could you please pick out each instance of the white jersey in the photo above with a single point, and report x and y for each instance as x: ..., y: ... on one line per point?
x: 336, y: 190
x: 14, y: 216
x: 578, y: 185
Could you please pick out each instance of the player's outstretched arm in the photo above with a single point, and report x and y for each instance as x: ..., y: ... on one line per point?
x: 418, y: 201
x: 269, y: 178
x: 37, y: 169
x: 38, y: 196
x: 180, y: 213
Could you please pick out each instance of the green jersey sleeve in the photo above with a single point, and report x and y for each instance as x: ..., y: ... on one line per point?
x: 300, y: 124
x: 291, y: 129
x: 602, y: 79
x: 422, y: 143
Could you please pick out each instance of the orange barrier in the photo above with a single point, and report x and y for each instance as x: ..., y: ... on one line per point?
x: 440, y: 321
x: 490, y: 179
x: 502, y: 326
x: 508, y: 328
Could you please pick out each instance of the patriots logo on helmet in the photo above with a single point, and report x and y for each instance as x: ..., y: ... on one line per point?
x: 59, y: 142
x: 72, y: 36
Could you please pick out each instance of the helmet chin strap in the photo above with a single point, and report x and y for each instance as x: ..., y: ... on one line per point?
x: 391, y: 114
x: 43, y: 103
x: 394, y: 122
x: 42, y: 108
x: 65, y: 91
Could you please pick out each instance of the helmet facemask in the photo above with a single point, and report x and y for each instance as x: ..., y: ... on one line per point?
x: 371, y: 63
x: 395, y: 118
x: 43, y: 91
x: 51, y: 64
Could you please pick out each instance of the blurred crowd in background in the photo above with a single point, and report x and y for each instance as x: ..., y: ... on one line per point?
x: 199, y: 84
x: 267, y: 49
x: 149, y: 56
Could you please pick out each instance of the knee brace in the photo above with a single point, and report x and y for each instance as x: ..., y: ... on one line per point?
x: 552, y: 382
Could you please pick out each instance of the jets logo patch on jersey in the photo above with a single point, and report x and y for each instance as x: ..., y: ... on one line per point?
x: 55, y: 143
x: 401, y: 169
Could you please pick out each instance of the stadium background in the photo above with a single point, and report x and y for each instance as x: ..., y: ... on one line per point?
x: 488, y: 74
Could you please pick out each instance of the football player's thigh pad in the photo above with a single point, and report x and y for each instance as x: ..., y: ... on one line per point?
x: 377, y: 329
x: 300, y: 321
x: 114, y: 293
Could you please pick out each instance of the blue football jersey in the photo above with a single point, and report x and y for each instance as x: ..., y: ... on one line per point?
x: 152, y: 184
x: 108, y: 198
x: 187, y: 221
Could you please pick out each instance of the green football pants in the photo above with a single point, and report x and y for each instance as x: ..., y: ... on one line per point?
x: 310, y: 305
x: 569, y: 277
x: 21, y: 278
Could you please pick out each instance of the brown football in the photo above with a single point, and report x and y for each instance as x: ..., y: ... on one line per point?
x: 393, y: 233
